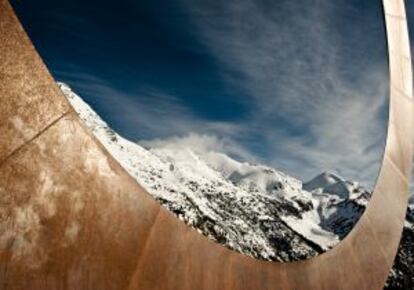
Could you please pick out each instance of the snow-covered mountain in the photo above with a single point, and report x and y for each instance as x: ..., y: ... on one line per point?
x: 253, y: 209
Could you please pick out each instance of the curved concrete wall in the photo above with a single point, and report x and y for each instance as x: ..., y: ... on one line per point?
x: 72, y: 218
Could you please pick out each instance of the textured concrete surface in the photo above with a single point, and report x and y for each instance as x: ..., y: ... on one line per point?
x: 72, y: 218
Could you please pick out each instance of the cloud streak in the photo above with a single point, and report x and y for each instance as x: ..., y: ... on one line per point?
x: 319, y: 102
x: 315, y: 75
x: 149, y: 114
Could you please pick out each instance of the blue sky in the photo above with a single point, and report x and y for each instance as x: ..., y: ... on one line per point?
x: 298, y: 85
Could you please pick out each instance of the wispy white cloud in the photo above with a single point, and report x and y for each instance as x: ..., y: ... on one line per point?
x: 313, y: 107
x: 148, y: 113
x: 203, y: 143
x: 298, y: 71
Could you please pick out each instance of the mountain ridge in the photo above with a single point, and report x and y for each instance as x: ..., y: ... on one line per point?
x: 251, y: 208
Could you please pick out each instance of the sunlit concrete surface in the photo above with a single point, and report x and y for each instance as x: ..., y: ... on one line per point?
x: 72, y: 218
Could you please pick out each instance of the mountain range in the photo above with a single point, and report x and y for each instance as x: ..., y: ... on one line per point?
x: 250, y: 208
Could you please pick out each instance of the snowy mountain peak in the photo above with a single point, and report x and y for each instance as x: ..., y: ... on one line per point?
x: 321, y: 181
x: 331, y: 183
x: 253, y: 209
x: 249, y: 208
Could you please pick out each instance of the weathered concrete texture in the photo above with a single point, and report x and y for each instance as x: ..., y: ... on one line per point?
x: 72, y: 218
x: 28, y: 102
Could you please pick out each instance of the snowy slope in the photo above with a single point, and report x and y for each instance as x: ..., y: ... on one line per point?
x: 249, y: 208
x: 253, y: 209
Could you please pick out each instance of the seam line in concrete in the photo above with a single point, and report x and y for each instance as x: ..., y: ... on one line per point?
x: 397, y: 170
x: 395, y: 16
x: 15, y: 151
